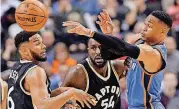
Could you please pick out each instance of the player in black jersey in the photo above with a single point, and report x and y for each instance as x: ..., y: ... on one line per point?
x: 97, y: 77
x: 28, y: 83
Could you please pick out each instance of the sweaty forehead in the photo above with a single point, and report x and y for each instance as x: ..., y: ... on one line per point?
x: 35, y: 37
x: 93, y: 42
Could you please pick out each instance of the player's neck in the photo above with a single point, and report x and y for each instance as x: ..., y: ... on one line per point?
x: 154, y: 41
x: 102, y: 71
x: 30, y: 60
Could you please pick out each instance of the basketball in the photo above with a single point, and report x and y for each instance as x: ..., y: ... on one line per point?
x: 31, y: 15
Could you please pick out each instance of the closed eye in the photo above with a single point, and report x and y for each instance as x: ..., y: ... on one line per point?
x: 37, y: 42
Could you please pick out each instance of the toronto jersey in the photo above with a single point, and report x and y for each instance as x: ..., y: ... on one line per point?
x: 18, y: 97
x: 104, y: 89
x: 144, y: 89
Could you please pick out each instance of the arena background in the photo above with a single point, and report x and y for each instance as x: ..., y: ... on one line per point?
x: 64, y: 51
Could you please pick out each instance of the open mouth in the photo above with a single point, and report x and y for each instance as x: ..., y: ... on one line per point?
x: 99, y: 60
x: 43, y: 53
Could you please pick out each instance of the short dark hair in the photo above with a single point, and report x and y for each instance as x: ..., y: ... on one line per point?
x: 22, y: 37
x: 164, y: 17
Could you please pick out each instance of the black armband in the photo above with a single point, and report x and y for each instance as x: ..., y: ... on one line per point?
x: 118, y: 46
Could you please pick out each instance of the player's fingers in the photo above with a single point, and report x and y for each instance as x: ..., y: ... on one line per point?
x: 106, y: 14
x: 91, y: 101
x: 67, y: 24
x: 81, y: 102
x: 85, y: 101
x: 99, y: 23
x: 103, y: 15
x: 78, y: 107
x: 92, y: 97
x: 100, y: 18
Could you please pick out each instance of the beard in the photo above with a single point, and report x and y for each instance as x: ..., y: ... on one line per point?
x: 38, y: 58
x: 99, y: 65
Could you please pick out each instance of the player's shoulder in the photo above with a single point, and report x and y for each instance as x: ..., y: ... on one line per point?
x: 117, y: 63
x: 36, y: 72
x: 149, y: 48
x: 75, y: 77
x: 76, y: 70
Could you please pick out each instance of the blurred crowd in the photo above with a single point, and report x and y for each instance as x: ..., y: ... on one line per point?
x: 64, y: 51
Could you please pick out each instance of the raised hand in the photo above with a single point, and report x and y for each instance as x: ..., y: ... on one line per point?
x: 77, y: 28
x: 105, y: 22
x: 83, y: 98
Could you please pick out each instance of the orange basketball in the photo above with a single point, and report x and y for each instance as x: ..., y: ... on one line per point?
x: 31, y: 15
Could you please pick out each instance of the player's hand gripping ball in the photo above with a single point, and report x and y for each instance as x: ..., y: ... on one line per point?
x: 31, y: 15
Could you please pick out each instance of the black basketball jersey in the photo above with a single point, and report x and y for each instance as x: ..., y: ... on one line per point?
x: 104, y: 89
x: 18, y: 98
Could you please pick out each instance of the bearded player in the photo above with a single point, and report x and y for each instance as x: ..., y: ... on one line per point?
x: 97, y: 77
x: 148, y: 56
x: 28, y: 84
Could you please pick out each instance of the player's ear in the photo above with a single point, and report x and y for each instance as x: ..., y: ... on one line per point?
x: 164, y: 31
x: 24, y: 49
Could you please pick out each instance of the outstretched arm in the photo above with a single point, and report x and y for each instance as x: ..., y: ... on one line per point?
x: 142, y: 52
x: 145, y: 50
x: 120, y: 47
x: 36, y: 80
